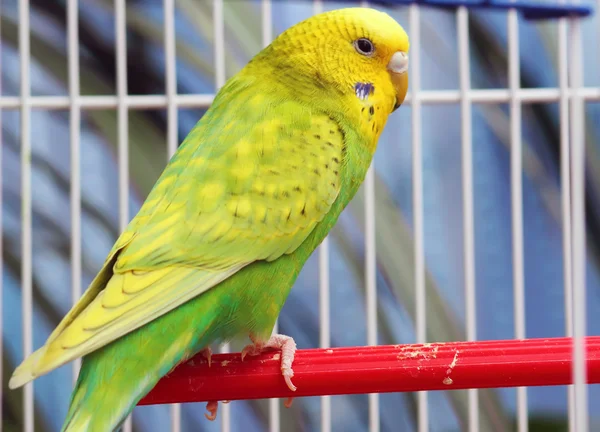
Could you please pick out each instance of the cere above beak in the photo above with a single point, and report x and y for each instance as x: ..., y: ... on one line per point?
x: 398, y: 63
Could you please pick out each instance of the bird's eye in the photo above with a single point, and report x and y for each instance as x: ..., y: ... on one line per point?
x: 364, y: 46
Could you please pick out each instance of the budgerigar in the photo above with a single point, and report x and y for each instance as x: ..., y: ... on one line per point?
x: 252, y: 191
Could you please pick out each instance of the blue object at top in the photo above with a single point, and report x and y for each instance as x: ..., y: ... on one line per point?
x: 531, y: 10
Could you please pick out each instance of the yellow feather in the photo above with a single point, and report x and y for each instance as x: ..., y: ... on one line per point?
x: 24, y: 373
x: 115, y: 312
x: 250, y: 182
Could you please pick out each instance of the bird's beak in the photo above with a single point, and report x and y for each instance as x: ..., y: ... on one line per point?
x: 398, y: 68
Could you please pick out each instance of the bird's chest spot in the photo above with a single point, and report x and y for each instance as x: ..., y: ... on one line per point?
x: 372, y: 120
x: 371, y: 114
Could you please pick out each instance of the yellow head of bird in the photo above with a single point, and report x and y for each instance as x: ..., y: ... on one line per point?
x: 355, y: 52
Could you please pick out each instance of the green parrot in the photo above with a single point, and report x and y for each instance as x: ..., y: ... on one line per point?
x: 249, y: 195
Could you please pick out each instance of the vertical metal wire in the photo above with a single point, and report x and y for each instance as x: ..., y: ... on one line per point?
x: 122, y: 127
x: 122, y: 114
x: 267, y: 22
x: 371, y: 276
x: 172, y: 123
x: 565, y: 178
x: 171, y: 78
x: 324, y: 319
x: 417, y: 167
x: 26, y: 254
x: 219, y: 36
x: 74, y: 131
x: 1, y: 240
x: 371, y: 279
x: 267, y: 37
x: 462, y: 18
x: 219, y: 29
x: 578, y: 224
x: 324, y: 309
x: 516, y: 181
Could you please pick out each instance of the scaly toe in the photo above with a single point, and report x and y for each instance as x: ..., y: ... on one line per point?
x: 288, y: 373
x: 250, y: 350
x: 207, y: 352
x: 288, y: 402
x: 212, y: 408
x: 244, y: 353
x: 288, y: 381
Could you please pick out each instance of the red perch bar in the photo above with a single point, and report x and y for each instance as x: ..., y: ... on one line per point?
x: 378, y: 369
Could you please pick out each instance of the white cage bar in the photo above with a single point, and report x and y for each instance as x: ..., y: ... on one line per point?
x: 172, y: 123
x: 267, y: 37
x: 571, y: 96
x: 324, y: 311
x: 122, y: 127
x: 220, y: 77
x: 1, y: 251
x: 74, y: 129
x: 26, y: 247
x: 426, y: 97
x: 565, y: 176
x: 578, y: 245
x: 462, y: 24
x: 414, y: 23
x: 516, y: 192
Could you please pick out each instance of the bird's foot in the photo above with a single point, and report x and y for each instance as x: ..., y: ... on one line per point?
x: 288, y: 348
x: 212, y: 407
x: 207, y: 352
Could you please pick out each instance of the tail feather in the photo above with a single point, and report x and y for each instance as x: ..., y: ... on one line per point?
x: 110, y: 385
x: 78, y: 418
x: 79, y: 421
x: 113, y: 379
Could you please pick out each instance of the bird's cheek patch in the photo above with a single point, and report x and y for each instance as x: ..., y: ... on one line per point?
x: 363, y: 90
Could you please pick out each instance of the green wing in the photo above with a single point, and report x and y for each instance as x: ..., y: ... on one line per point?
x: 248, y: 183
x: 254, y: 192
